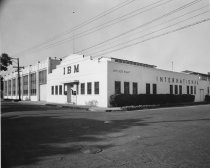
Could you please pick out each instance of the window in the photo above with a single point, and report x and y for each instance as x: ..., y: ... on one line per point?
x: 176, y: 89
x: 135, y: 88
x: 9, y: 87
x: 188, y: 90
x: 5, y: 88
x: 56, y: 89
x: 13, y: 87
x: 171, y: 89
x: 96, y: 84
x: 117, y: 87
x: 43, y: 77
x: 89, y: 87
x: 18, y: 85
x: 191, y: 89
x: 52, y: 90
x: 60, y: 89
x: 65, y: 89
x: 154, y: 86
x: 180, y: 89
x: 33, y: 83
x: 147, y: 88
x: 82, y: 88
x: 194, y: 89
x: 126, y: 88
x: 25, y: 85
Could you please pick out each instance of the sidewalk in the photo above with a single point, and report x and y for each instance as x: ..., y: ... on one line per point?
x: 73, y: 106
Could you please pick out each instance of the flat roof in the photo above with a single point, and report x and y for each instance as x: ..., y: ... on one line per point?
x: 196, y: 73
x: 133, y: 63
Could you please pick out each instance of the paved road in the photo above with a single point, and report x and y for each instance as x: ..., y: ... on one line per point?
x: 166, y: 138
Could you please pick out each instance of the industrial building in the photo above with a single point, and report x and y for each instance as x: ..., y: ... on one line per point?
x: 84, y: 80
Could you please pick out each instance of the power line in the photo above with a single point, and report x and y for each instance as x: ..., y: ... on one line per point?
x: 152, y: 32
x: 115, y: 37
x: 169, y: 32
x: 103, y: 25
x: 41, y: 47
x: 109, y: 11
x: 153, y: 37
x: 113, y: 9
x: 165, y: 15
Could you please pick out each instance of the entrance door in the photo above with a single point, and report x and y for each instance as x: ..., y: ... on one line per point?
x: 74, y: 90
x: 68, y: 93
x: 201, y: 94
x: 43, y: 94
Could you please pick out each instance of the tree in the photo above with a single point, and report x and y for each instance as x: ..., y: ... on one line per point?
x: 5, y: 61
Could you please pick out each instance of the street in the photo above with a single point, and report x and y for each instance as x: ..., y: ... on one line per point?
x: 52, y: 137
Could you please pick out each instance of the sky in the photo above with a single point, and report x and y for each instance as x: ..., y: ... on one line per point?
x: 133, y: 30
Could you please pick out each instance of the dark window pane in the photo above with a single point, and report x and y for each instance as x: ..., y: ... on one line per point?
x: 171, y: 89
x: 96, y: 87
x: 194, y: 89
x: 56, y: 89
x: 180, y: 89
x: 52, y: 90
x: 191, y: 89
x: 135, y: 88
x: 89, y: 87
x: 25, y: 85
x: 60, y: 89
x: 176, y: 89
x: 33, y: 83
x: 82, y: 88
x: 117, y: 87
x: 188, y: 90
x: 13, y: 87
x: 126, y: 88
x: 154, y: 86
x: 43, y: 77
x: 147, y: 88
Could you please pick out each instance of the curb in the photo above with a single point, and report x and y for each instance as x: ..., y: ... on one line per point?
x: 67, y: 106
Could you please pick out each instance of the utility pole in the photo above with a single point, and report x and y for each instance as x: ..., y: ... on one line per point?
x: 18, y: 70
x: 18, y: 79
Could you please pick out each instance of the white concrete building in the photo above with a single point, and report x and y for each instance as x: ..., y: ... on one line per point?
x: 83, y: 80
x: 33, y: 81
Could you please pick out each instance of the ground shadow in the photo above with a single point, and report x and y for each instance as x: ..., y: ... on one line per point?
x: 26, y: 140
x: 13, y: 107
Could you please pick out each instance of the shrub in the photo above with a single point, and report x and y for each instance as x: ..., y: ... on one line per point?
x: 207, y: 98
x: 119, y: 100
x: 92, y: 103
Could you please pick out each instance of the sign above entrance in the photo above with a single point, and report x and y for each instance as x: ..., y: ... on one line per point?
x: 71, y: 69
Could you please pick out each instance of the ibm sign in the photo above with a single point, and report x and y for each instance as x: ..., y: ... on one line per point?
x: 71, y: 69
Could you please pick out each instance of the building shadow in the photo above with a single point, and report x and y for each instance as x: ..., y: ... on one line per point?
x: 28, y: 139
x: 13, y: 107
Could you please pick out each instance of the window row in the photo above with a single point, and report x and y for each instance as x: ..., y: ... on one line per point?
x: 134, y: 88
x: 175, y: 89
x: 58, y: 89
x: 89, y: 88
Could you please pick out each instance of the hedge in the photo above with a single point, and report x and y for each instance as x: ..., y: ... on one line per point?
x: 119, y: 100
x: 207, y: 98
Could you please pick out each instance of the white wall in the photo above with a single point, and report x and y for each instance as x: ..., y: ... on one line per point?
x: 142, y: 75
x: 89, y: 71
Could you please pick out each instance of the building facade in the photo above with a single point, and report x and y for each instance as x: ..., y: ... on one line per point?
x: 33, y: 81
x: 86, y: 81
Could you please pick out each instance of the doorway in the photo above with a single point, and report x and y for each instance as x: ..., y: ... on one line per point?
x: 71, y: 92
x: 201, y: 94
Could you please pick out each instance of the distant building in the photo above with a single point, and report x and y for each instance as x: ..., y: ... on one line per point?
x: 83, y: 80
